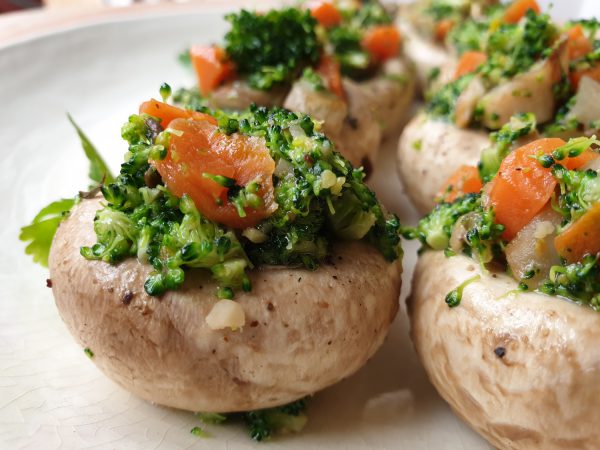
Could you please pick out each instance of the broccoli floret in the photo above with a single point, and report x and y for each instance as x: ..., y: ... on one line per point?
x: 369, y: 14
x: 435, y: 229
x: 190, y: 99
x: 480, y: 235
x: 147, y: 221
x: 470, y: 35
x: 519, y: 125
x: 346, y: 38
x: 579, y: 190
x: 271, y: 48
x: 264, y: 423
x: 442, y: 102
x: 578, y: 281
x: 514, y: 48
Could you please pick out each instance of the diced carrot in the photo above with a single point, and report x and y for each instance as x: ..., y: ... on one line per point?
x: 517, y: 10
x: 211, y: 66
x: 203, y: 149
x: 166, y: 113
x: 442, y: 28
x: 469, y: 62
x: 580, y: 238
x: 465, y: 180
x: 593, y: 73
x: 578, y: 45
x: 325, y: 12
x: 382, y: 42
x: 523, y: 186
x: 329, y: 69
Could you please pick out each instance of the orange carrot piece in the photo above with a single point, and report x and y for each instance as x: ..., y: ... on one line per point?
x: 330, y: 70
x: 593, y: 73
x: 522, y: 187
x: 203, y: 149
x: 211, y: 66
x: 166, y: 113
x: 442, y: 28
x: 465, y: 180
x: 577, y: 44
x: 469, y: 62
x: 382, y: 42
x: 580, y: 238
x: 325, y: 12
x: 517, y: 10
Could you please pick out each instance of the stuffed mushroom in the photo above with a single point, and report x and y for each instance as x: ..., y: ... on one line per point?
x: 527, y: 66
x: 234, y: 264
x: 340, y: 62
x: 505, y: 299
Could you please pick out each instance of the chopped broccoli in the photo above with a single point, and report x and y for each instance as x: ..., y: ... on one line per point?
x: 435, y: 229
x: 159, y: 228
x: 271, y: 48
x: 577, y: 281
x: 442, y: 102
x: 318, y: 195
x: 346, y: 38
x: 480, y: 236
x: 519, y: 125
x: 514, y: 48
x: 264, y: 423
x: 313, y: 79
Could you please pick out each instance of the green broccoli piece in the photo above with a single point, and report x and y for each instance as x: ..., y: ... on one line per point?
x: 435, y: 229
x: 442, y: 102
x: 514, y: 48
x: 577, y: 281
x: 520, y: 125
x: 264, y: 423
x: 271, y: 48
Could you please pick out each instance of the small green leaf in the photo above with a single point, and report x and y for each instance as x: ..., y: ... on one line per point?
x: 99, y: 171
x: 41, y: 231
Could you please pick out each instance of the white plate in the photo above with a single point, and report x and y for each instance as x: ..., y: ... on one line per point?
x: 51, y: 394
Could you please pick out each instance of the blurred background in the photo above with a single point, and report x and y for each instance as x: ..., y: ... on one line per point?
x: 558, y: 8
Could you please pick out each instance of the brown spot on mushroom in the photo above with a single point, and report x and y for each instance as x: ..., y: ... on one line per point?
x: 270, y: 306
x: 127, y: 297
x: 48, y: 282
x: 254, y: 323
x: 500, y: 352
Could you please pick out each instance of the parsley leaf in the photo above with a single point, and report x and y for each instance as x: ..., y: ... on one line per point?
x: 40, y: 232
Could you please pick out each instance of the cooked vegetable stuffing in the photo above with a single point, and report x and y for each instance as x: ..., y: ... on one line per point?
x: 266, y: 188
x: 538, y: 217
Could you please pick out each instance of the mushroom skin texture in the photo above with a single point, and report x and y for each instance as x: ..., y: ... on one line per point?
x: 349, y: 123
x: 430, y: 151
x: 426, y: 54
x: 238, y: 95
x: 391, y: 94
x: 303, y: 330
x: 521, y: 369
